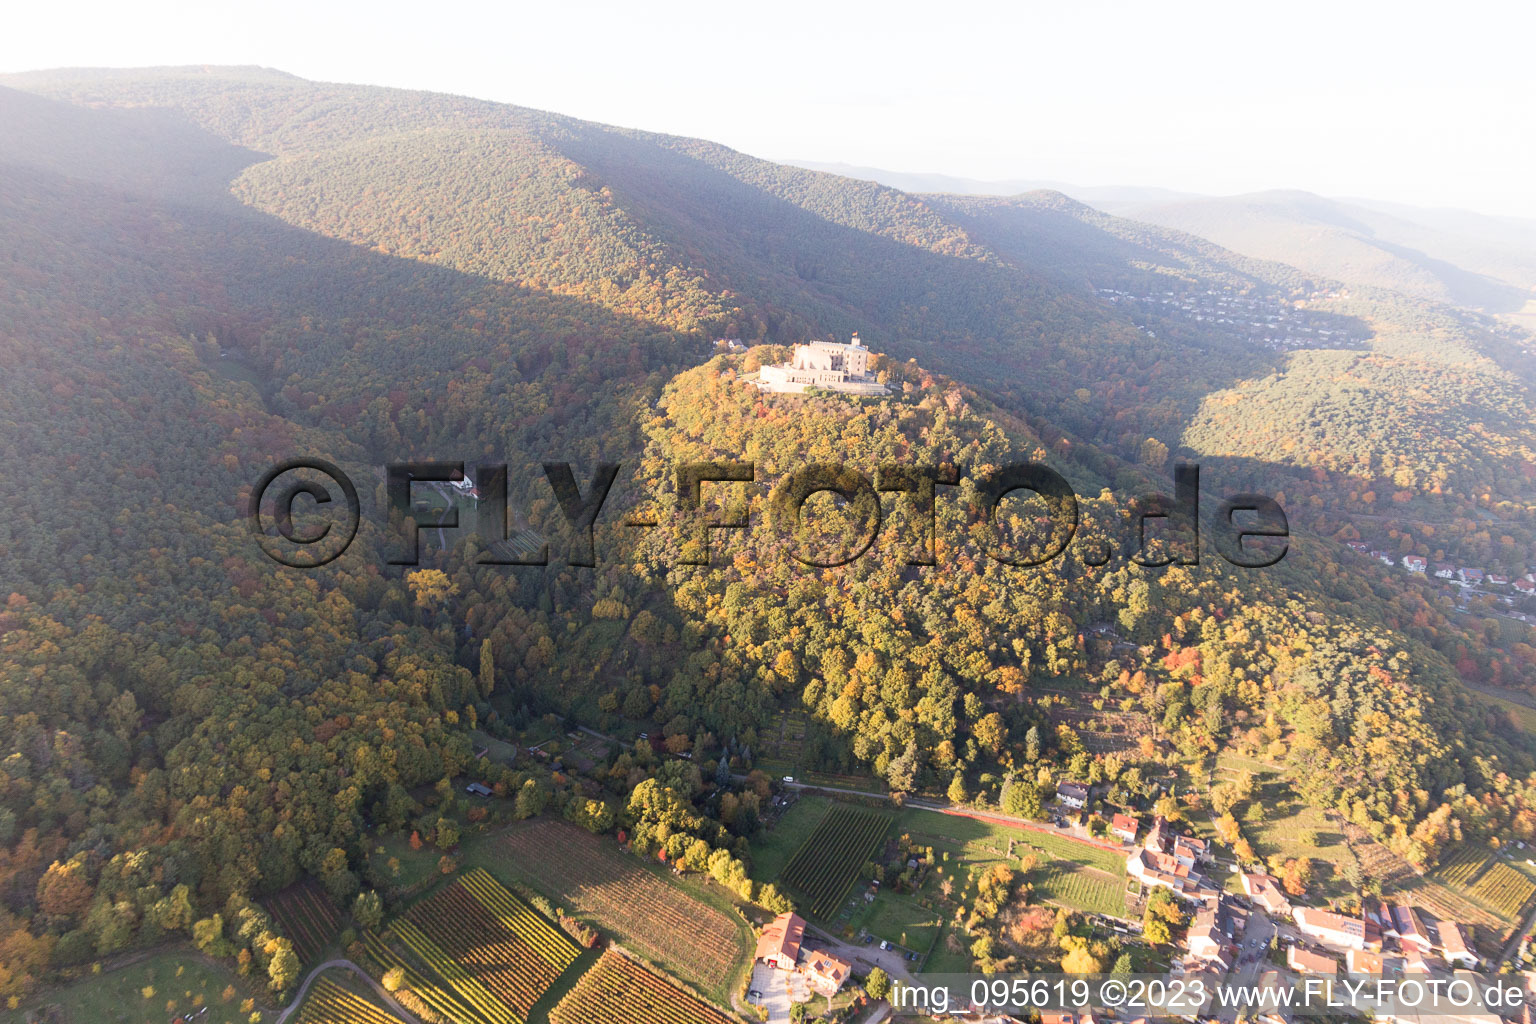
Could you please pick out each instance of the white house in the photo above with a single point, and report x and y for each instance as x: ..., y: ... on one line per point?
x: 1331, y: 929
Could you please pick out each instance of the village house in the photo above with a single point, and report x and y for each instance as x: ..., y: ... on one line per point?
x: 1153, y: 868
x: 1123, y: 827
x: 1191, y: 851
x: 1159, y: 836
x: 824, y: 972
x: 1073, y: 795
x: 1363, y: 961
x: 1266, y: 892
x: 1304, y: 961
x: 779, y: 945
x: 1412, y: 932
x: 823, y: 364
x: 1453, y: 945
x: 1415, y: 563
x: 1213, y: 933
x: 1331, y: 929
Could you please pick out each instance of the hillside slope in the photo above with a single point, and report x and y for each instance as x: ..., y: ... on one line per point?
x: 205, y: 271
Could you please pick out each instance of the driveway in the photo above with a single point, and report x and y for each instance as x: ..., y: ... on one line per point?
x: 893, y: 961
x: 773, y: 985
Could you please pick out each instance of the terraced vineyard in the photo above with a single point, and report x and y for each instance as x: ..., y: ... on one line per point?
x: 1474, y: 886
x: 1498, y: 887
x: 829, y: 860
x: 1461, y: 867
x: 475, y: 931
x: 488, y: 957
x: 690, y: 938
x: 442, y: 1000
x: 619, y: 991
x: 1083, y: 888
x: 307, y: 916
x: 1503, y: 890
x: 330, y: 1003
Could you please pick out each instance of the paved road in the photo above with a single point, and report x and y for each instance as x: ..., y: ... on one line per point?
x: 1252, y: 957
x: 345, y: 965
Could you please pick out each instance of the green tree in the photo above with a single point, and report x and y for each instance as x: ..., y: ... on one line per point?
x: 368, y: 909
x: 283, y: 970
x: 487, y: 669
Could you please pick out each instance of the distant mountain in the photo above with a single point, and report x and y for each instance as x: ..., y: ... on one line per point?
x: 1093, y: 195
x: 1470, y: 259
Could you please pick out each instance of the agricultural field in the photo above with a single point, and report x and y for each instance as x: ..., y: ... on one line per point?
x: 698, y: 939
x: 781, y: 745
x: 154, y: 989
x: 1081, y: 888
x: 1494, y: 884
x: 333, y: 1002
x: 485, y: 942
x: 306, y: 915
x: 619, y: 991
x: 829, y: 860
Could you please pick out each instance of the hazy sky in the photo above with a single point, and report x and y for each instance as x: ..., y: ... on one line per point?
x: 1431, y: 104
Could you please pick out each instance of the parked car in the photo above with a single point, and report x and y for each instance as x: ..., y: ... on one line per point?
x: 753, y: 993
x: 868, y: 939
x: 884, y: 944
x: 789, y: 778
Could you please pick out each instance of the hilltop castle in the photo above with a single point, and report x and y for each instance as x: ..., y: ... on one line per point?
x: 824, y: 364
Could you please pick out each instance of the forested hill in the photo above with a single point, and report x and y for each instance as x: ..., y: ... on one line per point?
x: 206, y: 271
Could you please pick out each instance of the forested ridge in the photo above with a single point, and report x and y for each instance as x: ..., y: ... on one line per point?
x: 205, y: 271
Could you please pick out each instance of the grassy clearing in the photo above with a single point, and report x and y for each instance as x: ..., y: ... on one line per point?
x: 774, y: 847
x: 1072, y: 874
x: 902, y: 920
x: 1277, y: 822
x: 1523, y: 717
x: 986, y: 842
x: 404, y: 867
x: 151, y: 991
